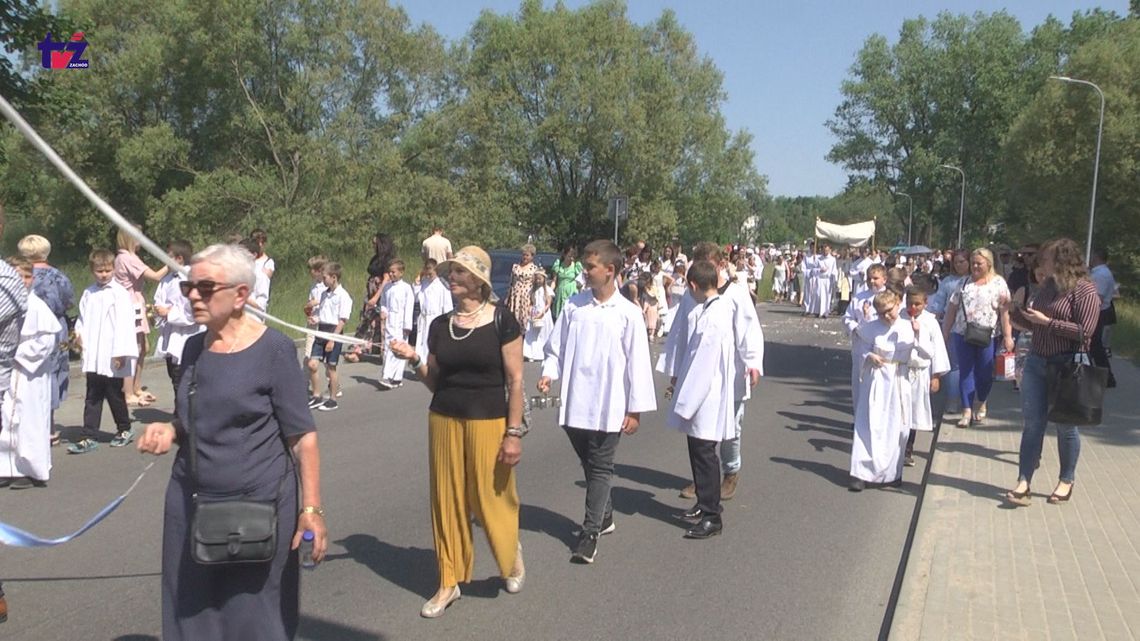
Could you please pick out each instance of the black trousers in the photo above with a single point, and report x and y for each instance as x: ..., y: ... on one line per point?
x: 174, y: 371
x: 100, y: 388
x: 1097, y: 352
x: 706, y: 474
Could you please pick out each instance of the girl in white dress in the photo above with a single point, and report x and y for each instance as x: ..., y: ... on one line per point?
x: 540, y: 323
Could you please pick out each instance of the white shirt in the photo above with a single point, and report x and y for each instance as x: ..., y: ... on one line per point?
x: 179, y: 322
x: 315, y: 298
x: 106, y: 326
x: 1105, y: 285
x: 601, y: 353
x: 335, y: 305
x: 398, y: 301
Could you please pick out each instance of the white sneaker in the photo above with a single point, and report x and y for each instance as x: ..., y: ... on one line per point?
x: 385, y: 383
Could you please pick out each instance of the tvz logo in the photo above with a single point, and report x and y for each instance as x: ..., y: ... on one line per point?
x: 64, y: 54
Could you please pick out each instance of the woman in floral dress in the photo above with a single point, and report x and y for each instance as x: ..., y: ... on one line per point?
x: 566, y: 270
x: 522, y: 285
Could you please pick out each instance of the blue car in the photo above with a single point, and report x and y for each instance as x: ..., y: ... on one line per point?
x: 503, y: 259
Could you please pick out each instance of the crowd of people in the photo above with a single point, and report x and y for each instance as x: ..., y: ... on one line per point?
x: 921, y: 328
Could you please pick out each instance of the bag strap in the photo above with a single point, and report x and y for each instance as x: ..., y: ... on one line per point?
x: 192, y: 392
x: 1080, y: 326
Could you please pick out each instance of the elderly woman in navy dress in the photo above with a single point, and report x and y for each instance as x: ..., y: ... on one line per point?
x: 253, y: 429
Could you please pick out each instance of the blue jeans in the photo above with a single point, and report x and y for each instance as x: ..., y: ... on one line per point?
x: 730, y: 447
x: 1034, y: 413
x: 975, y: 370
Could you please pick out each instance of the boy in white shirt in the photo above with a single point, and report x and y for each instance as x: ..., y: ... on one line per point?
x: 333, y: 310
x: 435, y: 300
x: 105, y: 332
x: 176, y: 318
x: 705, y: 382
x: 316, y: 266
x: 600, y: 350
x: 397, y: 304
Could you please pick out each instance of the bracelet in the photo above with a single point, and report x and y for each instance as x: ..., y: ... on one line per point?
x: 313, y: 509
x: 416, y: 363
x: 518, y: 431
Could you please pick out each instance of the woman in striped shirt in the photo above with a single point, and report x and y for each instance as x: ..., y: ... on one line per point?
x: 1062, y: 317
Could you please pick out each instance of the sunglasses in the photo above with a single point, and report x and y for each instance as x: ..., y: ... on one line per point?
x: 206, y: 288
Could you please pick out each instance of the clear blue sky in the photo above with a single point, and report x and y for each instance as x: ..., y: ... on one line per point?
x: 782, y: 60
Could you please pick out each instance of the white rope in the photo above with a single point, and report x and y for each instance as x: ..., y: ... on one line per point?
x: 115, y: 217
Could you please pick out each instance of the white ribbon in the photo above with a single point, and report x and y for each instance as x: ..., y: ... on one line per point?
x: 115, y: 217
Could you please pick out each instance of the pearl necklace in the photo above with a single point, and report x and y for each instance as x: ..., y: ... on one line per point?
x: 451, y: 323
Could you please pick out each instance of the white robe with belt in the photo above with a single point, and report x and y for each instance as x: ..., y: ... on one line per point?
x: 703, y: 403
x: 399, y: 302
x: 825, y: 284
x: 811, y: 279
x: 882, y: 420
x: 538, y: 330
x: 25, y: 441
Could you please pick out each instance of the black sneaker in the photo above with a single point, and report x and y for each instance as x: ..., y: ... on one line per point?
x: 328, y: 406
x: 608, y: 526
x: 314, y: 401
x: 587, y: 548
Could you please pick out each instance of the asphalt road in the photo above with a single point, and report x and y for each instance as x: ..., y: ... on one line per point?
x: 800, y: 558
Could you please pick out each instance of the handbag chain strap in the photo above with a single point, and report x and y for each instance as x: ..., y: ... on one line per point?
x: 191, y: 393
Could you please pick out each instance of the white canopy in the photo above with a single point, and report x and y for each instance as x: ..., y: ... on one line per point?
x: 855, y: 235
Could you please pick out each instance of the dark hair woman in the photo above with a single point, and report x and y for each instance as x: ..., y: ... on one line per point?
x: 566, y: 270
x: 1062, y: 317
x: 371, y: 327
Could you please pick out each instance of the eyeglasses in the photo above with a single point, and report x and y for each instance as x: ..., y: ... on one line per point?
x: 206, y: 288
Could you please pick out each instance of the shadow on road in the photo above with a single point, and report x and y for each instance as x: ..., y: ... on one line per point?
x: 543, y: 521
x: 317, y: 628
x: 136, y: 637
x: 812, y: 419
x: 101, y: 577
x: 975, y: 488
x: 630, y: 501
x: 652, y: 478
x: 844, y: 433
x: 831, y: 473
x: 410, y: 568
x: 368, y: 380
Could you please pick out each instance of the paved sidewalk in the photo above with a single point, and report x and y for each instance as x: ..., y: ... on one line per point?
x: 980, y: 569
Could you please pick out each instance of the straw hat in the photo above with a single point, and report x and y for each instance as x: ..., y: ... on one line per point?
x: 473, y: 259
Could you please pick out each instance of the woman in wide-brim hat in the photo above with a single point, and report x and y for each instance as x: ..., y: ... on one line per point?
x: 474, y: 428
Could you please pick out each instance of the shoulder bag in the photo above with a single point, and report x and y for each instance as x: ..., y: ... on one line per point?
x: 1076, y: 387
x: 230, y: 531
x: 975, y: 334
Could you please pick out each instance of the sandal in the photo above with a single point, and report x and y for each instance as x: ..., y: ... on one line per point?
x: 148, y: 397
x: 137, y: 401
x: 1055, y: 498
x: 56, y: 439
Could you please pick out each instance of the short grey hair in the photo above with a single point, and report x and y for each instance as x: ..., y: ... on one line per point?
x: 528, y: 249
x: 235, y: 261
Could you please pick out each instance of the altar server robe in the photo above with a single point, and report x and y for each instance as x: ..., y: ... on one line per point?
x: 706, y: 374
x: 179, y: 323
x: 827, y: 270
x: 852, y: 318
x: 811, y: 279
x: 929, y: 358
x: 882, y: 420
x: 435, y: 299
x: 106, y: 327
x: 600, y: 350
x: 858, y: 275
x: 25, y: 441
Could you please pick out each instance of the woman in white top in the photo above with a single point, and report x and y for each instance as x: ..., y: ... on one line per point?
x: 977, y: 314
x: 538, y: 329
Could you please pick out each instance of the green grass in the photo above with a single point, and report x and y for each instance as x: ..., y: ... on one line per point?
x: 1125, y: 339
x: 764, y: 290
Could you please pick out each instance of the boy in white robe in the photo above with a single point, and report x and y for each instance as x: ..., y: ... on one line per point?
x: 600, y: 350
x: 883, y: 419
x: 749, y: 360
x: 25, y: 440
x: 397, y: 304
x: 105, y: 331
x: 435, y: 300
x: 176, y: 318
x: 858, y: 273
x: 811, y: 279
x: 704, y: 386
x: 929, y: 360
x: 859, y: 311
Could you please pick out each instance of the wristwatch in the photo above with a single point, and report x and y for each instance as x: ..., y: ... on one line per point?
x: 518, y: 431
x: 313, y: 509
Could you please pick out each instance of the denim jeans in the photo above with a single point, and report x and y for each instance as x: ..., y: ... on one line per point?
x: 976, y: 370
x: 730, y: 447
x: 595, y: 451
x: 1034, y: 413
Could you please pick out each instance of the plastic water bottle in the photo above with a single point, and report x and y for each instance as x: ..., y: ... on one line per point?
x: 306, y: 550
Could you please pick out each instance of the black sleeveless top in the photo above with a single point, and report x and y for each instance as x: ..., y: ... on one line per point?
x: 471, y: 382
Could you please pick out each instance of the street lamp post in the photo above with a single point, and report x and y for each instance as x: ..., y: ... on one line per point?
x: 961, y: 202
x: 1096, y: 161
x: 910, y: 225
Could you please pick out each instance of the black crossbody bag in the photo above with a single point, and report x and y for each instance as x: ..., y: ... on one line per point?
x: 976, y: 334
x: 229, y: 531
